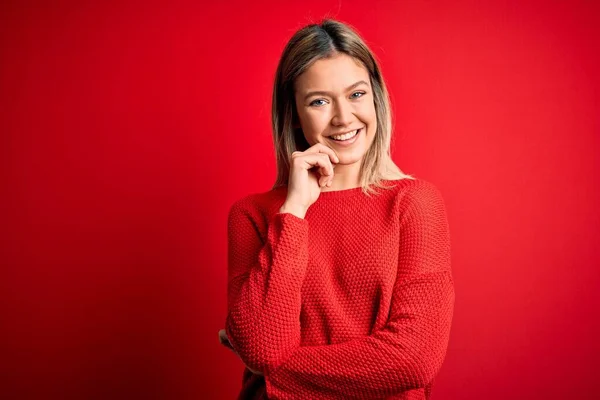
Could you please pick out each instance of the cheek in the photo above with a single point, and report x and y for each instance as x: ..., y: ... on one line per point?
x: 372, y: 112
x: 316, y: 121
x: 368, y: 114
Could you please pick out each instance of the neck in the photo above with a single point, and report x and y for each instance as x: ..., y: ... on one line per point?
x: 345, y: 176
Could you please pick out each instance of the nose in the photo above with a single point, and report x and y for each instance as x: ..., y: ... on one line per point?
x: 342, y: 113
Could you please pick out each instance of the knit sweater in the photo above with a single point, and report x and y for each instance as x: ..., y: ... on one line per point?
x: 353, y: 301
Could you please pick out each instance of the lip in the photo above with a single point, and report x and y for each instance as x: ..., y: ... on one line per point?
x: 343, y: 133
x: 349, y: 142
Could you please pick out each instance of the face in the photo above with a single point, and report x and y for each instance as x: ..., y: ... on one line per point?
x: 334, y: 97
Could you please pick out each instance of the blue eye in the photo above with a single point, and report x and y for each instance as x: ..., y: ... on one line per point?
x: 313, y: 102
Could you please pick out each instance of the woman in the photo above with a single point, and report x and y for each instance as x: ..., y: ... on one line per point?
x: 339, y: 279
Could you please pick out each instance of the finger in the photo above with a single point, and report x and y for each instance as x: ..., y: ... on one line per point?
x: 254, y: 372
x: 223, y: 336
x: 224, y: 340
x: 321, y: 148
x: 308, y: 161
x: 321, y: 178
x: 324, y: 168
x: 326, y: 181
x: 323, y: 181
x: 329, y: 151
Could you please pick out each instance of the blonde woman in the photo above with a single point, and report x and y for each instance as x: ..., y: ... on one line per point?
x: 339, y: 278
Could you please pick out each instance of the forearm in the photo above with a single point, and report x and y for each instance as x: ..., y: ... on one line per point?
x: 407, y: 354
x: 264, y: 303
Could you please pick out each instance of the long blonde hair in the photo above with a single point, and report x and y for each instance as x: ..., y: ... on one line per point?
x: 307, y: 45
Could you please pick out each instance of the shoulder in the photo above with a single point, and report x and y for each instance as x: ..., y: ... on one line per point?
x: 259, y: 204
x: 419, y: 196
x: 415, y: 188
x: 418, y: 188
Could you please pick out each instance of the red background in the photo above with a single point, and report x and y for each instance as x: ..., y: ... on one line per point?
x: 129, y: 128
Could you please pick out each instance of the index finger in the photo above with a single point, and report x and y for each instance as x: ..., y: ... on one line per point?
x: 321, y: 148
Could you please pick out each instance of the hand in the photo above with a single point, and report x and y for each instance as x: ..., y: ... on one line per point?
x: 306, y: 181
x: 224, y: 340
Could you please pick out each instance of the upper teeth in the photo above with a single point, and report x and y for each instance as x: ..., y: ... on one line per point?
x: 345, y: 135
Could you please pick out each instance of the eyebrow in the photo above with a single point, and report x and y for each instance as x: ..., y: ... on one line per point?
x: 322, y: 93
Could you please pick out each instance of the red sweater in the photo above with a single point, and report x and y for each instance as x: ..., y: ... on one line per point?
x: 354, y: 301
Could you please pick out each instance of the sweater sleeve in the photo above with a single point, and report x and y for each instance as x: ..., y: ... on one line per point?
x: 408, y: 351
x: 265, y: 272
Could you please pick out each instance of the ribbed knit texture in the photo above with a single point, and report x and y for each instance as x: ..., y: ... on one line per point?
x: 354, y: 301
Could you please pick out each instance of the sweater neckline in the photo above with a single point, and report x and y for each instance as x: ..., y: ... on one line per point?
x: 344, y: 193
x: 341, y: 193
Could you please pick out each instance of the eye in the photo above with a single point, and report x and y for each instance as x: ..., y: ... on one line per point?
x: 312, y: 103
x: 360, y: 93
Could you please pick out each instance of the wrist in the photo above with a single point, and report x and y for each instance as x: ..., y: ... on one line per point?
x: 295, y: 209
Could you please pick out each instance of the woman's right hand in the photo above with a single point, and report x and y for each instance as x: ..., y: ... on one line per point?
x: 310, y: 171
x: 224, y: 339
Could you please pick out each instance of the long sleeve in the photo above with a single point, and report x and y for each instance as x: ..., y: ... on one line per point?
x: 408, y: 351
x: 265, y: 274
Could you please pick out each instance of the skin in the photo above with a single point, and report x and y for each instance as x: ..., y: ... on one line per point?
x: 224, y: 340
x: 340, y: 106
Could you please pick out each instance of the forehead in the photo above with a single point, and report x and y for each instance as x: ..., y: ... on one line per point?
x: 332, y: 73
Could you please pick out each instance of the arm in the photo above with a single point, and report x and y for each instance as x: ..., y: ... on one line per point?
x: 408, y: 352
x: 264, y: 282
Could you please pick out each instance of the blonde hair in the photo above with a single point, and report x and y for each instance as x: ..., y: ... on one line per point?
x: 307, y: 45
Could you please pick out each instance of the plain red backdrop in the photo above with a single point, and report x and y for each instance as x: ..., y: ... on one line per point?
x: 129, y: 128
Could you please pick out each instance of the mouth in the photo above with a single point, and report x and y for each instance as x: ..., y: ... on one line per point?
x: 346, y: 137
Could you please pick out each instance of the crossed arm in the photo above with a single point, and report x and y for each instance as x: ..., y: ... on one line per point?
x: 405, y: 354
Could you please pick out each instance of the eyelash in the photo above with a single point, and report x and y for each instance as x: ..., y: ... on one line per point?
x: 361, y: 95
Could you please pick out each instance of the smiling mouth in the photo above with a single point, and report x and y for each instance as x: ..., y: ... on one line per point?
x: 346, y: 136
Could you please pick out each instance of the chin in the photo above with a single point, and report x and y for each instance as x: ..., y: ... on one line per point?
x: 351, y: 158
